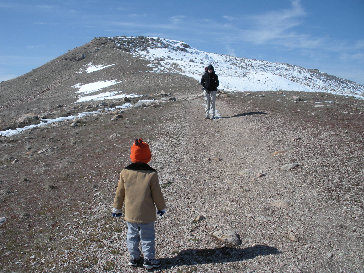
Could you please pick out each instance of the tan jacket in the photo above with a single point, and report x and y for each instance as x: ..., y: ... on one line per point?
x: 139, y: 187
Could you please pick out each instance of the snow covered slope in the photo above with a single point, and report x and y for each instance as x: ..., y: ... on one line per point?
x: 235, y: 74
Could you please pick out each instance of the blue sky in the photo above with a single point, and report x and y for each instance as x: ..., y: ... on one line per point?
x: 325, y: 34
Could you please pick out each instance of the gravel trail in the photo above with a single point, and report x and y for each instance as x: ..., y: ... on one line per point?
x: 284, y: 177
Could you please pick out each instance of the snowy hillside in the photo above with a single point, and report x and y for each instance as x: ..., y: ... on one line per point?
x: 235, y: 74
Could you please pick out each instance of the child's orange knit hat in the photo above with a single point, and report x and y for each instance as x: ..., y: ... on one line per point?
x: 140, y: 152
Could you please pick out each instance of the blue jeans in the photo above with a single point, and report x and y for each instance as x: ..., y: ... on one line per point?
x: 210, y: 103
x: 144, y: 233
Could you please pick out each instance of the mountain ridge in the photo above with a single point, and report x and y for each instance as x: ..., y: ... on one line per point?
x: 315, y: 80
x: 280, y: 170
x: 146, y: 66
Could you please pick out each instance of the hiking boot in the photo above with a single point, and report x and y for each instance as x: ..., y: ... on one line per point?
x: 135, y: 262
x: 151, y: 263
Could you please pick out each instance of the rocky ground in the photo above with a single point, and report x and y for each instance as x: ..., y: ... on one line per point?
x: 279, y: 176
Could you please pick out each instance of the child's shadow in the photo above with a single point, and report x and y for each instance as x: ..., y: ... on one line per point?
x: 217, y: 255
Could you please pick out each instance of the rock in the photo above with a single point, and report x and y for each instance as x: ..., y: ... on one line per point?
x: 278, y: 153
x: 75, y: 123
x: 2, y: 220
x: 199, y: 219
x: 259, y: 175
x: 245, y: 172
x: 280, y: 204
x: 163, y: 94
x: 296, y: 98
x: 27, y: 119
x: 114, y: 136
x: 116, y: 117
x: 289, y: 167
x: 228, y: 237
x: 26, y: 180
x: 292, y: 237
x: 26, y: 215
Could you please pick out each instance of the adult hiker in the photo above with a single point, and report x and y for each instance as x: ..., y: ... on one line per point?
x: 139, y: 189
x: 210, y: 82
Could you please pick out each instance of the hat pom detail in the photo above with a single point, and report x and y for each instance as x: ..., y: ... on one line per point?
x: 140, y: 152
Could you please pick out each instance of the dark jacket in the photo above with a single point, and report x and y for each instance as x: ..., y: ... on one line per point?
x: 210, y: 81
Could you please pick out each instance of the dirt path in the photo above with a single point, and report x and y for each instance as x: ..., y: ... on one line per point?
x: 230, y: 174
x: 229, y: 171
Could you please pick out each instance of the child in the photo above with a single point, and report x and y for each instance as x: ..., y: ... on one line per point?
x: 139, y: 187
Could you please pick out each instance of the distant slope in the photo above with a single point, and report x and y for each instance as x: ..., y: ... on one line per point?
x: 236, y: 74
x: 113, y: 69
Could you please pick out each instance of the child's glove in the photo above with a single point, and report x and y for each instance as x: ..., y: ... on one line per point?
x: 116, y: 212
x: 161, y: 212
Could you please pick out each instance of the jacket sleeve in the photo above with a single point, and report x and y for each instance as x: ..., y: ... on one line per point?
x: 120, y: 194
x: 157, y: 193
x: 217, y: 81
x: 203, y: 80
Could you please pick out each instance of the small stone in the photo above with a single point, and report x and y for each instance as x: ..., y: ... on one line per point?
x: 292, y: 237
x: 296, y: 98
x: 26, y: 215
x: 289, y: 167
x: 75, y: 123
x: 114, y: 136
x: 28, y: 119
x: 278, y: 153
x: 27, y: 180
x: 228, y: 237
x: 199, y: 219
x: 280, y: 204
x: 2, y: 220
x: 116, y: 117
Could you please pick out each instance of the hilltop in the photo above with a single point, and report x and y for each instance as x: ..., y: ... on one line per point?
x: 280, y: 170
x: 108, y: 69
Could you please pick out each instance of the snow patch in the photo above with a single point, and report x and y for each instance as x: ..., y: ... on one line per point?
x: 93, y: 68
x: 106, y: 96
x: 46, y: 122
x: 94, y: 86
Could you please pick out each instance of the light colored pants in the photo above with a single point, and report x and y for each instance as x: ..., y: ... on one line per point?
x: 144, y: 233
x: 210, y: 103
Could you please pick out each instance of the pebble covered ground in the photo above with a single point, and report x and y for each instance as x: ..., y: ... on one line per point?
x: 278, y: 176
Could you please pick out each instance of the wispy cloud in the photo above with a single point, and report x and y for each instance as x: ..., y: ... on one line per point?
x: 352, y: 57
x: 177, y: 19
x: 279, y: 27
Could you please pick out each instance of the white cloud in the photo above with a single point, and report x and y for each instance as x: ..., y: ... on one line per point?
x: 177, y: 19
x: 278, y: 27
x: 352, y: 57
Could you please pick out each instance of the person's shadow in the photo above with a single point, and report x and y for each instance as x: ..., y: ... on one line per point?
x: 245, y: 114
x: 217, y: 255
